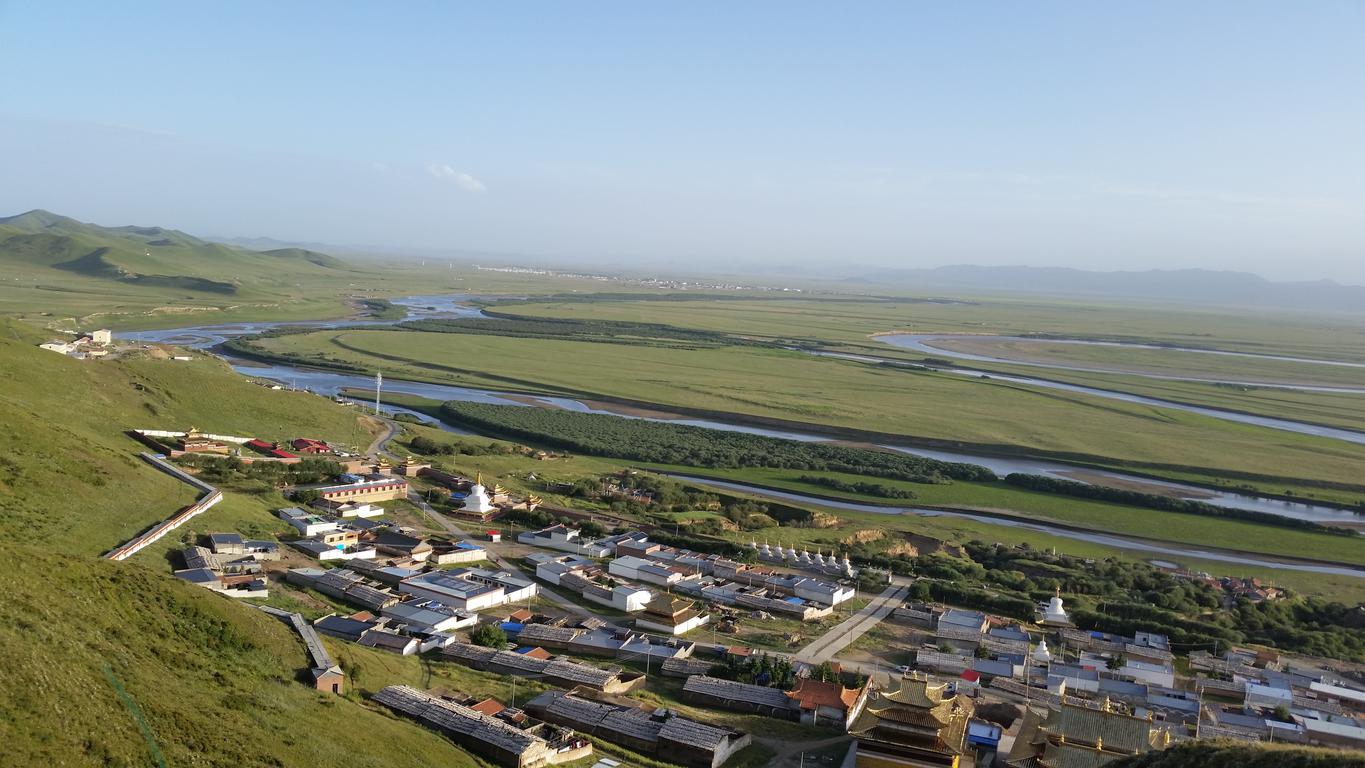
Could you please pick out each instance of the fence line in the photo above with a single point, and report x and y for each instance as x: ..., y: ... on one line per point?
x: 209, y: 496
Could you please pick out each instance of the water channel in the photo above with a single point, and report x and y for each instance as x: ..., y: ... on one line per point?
x: 920, y: 343
x: 332, y: 384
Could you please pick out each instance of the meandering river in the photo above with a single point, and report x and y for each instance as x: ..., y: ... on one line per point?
x: 920, y: 343
x: 451, y: 306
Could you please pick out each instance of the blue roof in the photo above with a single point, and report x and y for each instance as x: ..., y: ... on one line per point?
x: 984, y: 734
x: 512, y: 626
x: 467, y: 545
x: 794, y: 600
x: 525, y: 649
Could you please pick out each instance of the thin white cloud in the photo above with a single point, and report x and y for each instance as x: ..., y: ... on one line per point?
x: 459, y: 178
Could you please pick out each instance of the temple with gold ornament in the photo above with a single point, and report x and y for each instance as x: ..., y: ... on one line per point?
x: 1072, y: 736
x: 194, y: 441
x: 412, y: 467
x: 918, y: 723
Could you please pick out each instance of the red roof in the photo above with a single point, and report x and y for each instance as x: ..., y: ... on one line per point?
x: 537, y: 653
x: 488, y: 707
x: 277, y: 453
x: 971, y: 676
x: 810, y: 694
x: 493, y: 533
x: 259, y: 443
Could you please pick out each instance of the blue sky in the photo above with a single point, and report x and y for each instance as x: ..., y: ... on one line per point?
x: 758, y: 134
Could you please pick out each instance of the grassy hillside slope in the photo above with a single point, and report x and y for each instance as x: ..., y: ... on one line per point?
x: 1236, y: 755
x: 214, y: 680
x: 63, y: 272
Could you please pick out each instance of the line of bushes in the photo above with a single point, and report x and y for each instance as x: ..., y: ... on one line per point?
x: 1046, y: 484
x: 665, y: 443
x: 859, y: 486
x: 607, y: 331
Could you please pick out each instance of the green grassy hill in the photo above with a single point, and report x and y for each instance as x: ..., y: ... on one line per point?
x: 152, y: 257
x: 55, y: 270
x: 303, y: 254
x: 214, y: 680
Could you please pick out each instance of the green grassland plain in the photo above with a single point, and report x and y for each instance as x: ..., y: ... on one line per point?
x: 796, y: 388
x: 1159, y: 362
x: 848, y: 324
x: 1346, y: 410
x: 853, y: 319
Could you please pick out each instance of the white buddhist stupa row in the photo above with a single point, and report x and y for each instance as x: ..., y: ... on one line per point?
x: 804, y: 557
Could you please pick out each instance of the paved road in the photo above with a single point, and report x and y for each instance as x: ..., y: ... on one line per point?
x: 839, y: 636
x: 380, y: 444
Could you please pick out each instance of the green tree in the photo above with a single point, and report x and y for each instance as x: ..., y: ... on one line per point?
x: 825, y: 673
x: 489, y: 636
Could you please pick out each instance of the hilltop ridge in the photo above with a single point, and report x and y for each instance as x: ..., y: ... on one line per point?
x: 40, y: 246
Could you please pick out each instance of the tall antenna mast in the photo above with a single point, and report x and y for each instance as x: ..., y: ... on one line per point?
x: 378, y: 383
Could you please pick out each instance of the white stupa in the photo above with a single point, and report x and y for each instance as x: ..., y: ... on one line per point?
x: 1055, y: 612
x: 804, y: 559
x: 790, y: 554
x: 819, y: 558
x: 1041, y: 654
x: 847, y: 565
x: 477, y: 501
x: 753, y: 545
x: 765, y: 550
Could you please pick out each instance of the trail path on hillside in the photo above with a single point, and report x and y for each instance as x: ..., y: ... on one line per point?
x: 380, y: 444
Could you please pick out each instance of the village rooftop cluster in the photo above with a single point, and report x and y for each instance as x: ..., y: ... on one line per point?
x: 1087, y: 697
x: 1076, y: 697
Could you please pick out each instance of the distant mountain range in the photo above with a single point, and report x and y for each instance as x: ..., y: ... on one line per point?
x: 151, y: 257
x: 1197, y: 286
